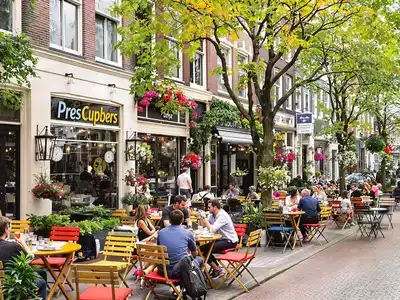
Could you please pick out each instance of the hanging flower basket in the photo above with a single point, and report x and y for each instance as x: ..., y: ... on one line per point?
x: 375, y: 144
x: 170, y: 100
x: 319, y: 156
x: 45, y: 189
x: 191, y: 160
x: 135, y: 180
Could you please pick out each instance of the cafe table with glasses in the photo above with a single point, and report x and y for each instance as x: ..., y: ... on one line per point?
x: 294, y: 216
x: 55, y: 248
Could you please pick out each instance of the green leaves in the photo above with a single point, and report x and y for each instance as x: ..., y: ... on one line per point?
x: 19, y: 282
x: 16, y: 67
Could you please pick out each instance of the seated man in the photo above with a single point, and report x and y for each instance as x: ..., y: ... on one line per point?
x: 9, y: 250
x: 219, y: 222
x: 232, y: 192
x: 178, y: 241
x: 179, y: 203
x: 310, y: 206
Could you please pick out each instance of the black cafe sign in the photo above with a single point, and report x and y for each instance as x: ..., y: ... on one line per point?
x: 78, y: 111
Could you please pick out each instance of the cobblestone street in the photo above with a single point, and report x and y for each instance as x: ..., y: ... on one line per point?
x: 351, y: 269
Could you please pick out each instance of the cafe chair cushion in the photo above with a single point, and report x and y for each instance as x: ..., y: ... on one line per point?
x: 235, y: 257
x: 159, y: 278
x: 278, y: 228
x: 104, y: 293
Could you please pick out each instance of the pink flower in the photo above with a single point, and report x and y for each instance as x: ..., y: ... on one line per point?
x: 151, y: 94
x: 194, y: 104
x: 195, y: 115
x: 139, y: 108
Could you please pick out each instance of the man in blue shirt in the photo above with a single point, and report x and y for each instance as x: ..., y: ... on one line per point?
x: 311, y: 209
x: 178, y: 241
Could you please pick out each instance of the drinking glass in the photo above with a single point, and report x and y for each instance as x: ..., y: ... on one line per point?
x: 46, y: 241
x: 17, y: 235
x: 41, y: 241
x: 34, y: 239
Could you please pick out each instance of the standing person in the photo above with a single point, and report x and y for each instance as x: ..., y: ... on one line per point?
x: 145, y: 228
x: 9, y: 250
x: 311, y: 209
x: 179, y: 203
x: 184, y: 183
x: 178, y: 242
x: 218, y: 222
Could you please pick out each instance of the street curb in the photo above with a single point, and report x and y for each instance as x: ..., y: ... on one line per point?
x: 328, y: 245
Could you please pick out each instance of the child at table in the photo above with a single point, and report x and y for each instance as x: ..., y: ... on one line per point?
x: 346, y: 206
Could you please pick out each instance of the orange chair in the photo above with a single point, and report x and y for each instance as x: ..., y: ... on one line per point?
x: 66, y: 234
x: 101, y: 276
x: 241, y: 232
x: 238, y: 262
x: 337, y: 215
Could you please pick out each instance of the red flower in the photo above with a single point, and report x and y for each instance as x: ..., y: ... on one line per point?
x: 192, y: 124
x: 167, y: 97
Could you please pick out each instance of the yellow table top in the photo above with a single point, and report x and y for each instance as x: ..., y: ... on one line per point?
x: 68, y: 248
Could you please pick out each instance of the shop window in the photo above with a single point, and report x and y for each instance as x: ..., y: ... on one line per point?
x: 163, y: 169
x: 198, y: 66
x: 106, y: 33
x: 227, y: 54
x: 6, y: 12
x: 85, y: 161
x: 64, y: 24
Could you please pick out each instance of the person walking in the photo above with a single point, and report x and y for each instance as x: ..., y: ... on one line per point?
x: 184, y: 183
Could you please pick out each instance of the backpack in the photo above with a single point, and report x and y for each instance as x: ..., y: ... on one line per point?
x: 192, y: 278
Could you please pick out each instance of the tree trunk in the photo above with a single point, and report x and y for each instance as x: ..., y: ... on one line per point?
x: 342, y: 180
x: 383, y: 174
x: 266, y: 157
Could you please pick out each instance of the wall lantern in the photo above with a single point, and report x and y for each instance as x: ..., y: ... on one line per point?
x: 131, y: 145
x: 44, y: 144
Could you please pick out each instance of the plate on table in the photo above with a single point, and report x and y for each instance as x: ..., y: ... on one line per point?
x: 48, y: 248
x: 206, y: 235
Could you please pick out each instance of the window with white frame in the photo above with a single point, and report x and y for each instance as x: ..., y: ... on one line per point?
x: 288, y: 86
x: 242, y: 60
x: 6, y: 15
x: 306, y: 99
x: 106, y: 33
x: 289, y: 55
x: 64, y: 24
x: 289, y: 139
x: 320, y: 100
x: 227, y: 54
x: 176, y: 71
x: 198, y: 66
x: 278, y: 87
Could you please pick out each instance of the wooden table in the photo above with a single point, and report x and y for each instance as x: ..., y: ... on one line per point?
x: 156, y: 220
x: 200, y: 241
x: 295, y: 224
x: 68, y: 251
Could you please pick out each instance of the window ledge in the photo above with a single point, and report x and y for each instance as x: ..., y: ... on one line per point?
x: 109, y: 62
x: 65, y: 51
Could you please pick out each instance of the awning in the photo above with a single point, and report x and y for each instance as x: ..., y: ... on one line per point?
x: 237, y: 136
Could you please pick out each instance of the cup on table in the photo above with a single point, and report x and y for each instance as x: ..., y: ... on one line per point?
x: 46, y: 241
x: 34, y: 239
x: 160, y: 213
x: 41, y: 241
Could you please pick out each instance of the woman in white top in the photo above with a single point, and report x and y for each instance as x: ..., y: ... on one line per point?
x: 346, y: 206
x: 292, y: 200
x: 320, y: 194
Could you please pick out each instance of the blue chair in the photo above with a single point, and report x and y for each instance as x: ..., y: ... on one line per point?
x: 275, y: 223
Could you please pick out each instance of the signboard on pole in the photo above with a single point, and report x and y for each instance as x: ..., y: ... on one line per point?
x: 304, y: 123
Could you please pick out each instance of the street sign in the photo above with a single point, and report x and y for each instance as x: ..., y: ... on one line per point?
x: 304, y: 123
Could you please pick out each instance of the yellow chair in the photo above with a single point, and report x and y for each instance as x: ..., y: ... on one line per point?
x: 119, y: 213
x: 128, y: 221
x: 2, y: 274
x: 194, y: 219
x: 120, y: 246
x: 325, y: 214
x: 19, y: 225
x: 241, y: 198
x: 100, y: 276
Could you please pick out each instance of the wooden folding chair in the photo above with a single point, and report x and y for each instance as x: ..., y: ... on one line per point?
x: 120, y: 246
x: 390, y: 204
x: 19, y: 225
x: 238, y: 262
x: 100, y: 276
x: 128, y: 221
x: 156, y: 255
x: 315, y: 231
x: 2, y: 274
x: 65, y: 234
x: 241, y: 232
x: 275, y: 222
x: 119, y: 213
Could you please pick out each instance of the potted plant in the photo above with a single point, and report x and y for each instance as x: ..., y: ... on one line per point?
x: 375, y: 144
x: 253, y: 217
x: 47, y: 191
x: 19, y: 279
x: 191, y: 160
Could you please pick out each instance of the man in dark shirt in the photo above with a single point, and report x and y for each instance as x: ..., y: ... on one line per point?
x: 179, y: 203
x: 10, y: 249
x: 311, y: 209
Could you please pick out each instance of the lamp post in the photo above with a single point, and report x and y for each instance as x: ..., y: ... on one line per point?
x: 44, y: 144
x: 131, y: 146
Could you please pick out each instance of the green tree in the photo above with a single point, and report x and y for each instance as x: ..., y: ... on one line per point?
x: 273, y: 29
x: 360, y: 63
x: 16, y: 67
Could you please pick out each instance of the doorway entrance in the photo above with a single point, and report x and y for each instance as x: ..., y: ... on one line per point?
x: 9, y: 171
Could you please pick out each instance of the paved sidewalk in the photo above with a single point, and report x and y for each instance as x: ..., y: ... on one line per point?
x: 267, y: 264
x: 354, y: 269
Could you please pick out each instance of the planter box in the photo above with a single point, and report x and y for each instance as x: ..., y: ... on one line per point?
x: 88, y: 243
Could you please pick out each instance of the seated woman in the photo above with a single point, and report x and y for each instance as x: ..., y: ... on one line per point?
x: 146, y: 229
x: 292, y: 200
x: 320, y: 194
x: 252, y: 195
x: 346, y: 206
